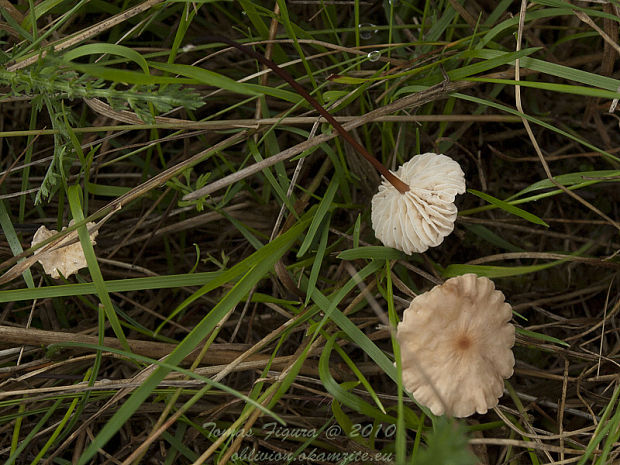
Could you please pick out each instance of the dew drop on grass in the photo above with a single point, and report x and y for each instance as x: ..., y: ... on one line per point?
x: 374, y: 55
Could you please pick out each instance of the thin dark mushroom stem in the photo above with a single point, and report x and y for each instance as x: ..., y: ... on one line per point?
x: 394, y: 180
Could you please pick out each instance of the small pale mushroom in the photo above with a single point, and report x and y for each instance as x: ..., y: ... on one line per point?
x: 421, y: 217
x: 65, y: 259
x: 456, y: 346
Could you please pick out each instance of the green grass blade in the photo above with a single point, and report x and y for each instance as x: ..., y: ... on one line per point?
x: 491, y: 271
x: 33, y: 432
x: 318, y: 260
x: 602, y: 429
x: 244, y: 230
x: 74, y: 194
x: 343, y: 396
x: 570, y: 179
x: 513, y: 21
x: 508, y: 207
x: 536, y: 121
x: 497, y: 12
x: 117, y: 285
x: 128, y: 77
x: 612, y: 438
x: 372, y: 252
x: 356, y: 231
x: 56, y: 432
x: 13, y: 240
x: 106, y: 191
x: 401, y: 430
x: 487, y: 235
x: 360, y: 376
x: 177, y: 443
x: 572, y: 7
x: 205, y: 76
x: 277, y: 187
x: 211, y: 78
x: 39, y: 10
x: 293, y: 31
x: 24, y: 34
x: 563, y: 88
x: 357, y: 336
x: 560, y: 71
x: 112, y: 49
x: 488, y: 63
x: 324, y: 206
x: 541, y: 337
x: 342, y: 418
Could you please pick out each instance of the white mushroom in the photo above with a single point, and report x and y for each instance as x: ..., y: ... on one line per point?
x: 456, y: 346
x: 65, y: 259
x: 420, y: 218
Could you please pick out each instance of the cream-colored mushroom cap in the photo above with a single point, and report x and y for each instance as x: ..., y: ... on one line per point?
x: 421, y: 217
x: 456, y: 346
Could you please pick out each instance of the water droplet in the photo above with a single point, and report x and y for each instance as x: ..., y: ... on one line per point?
x: 367, y: 33
x: 374, y: 55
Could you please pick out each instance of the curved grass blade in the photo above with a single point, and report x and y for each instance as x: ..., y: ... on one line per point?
x: 488, y: 63
x: 324, y: 206
x: 112, y: 49
x: 318, y: 260
x: 491, y: 271
x: 343, y: 396
x: 11, y: 237
x: 564, y: 88
x: 360, y: 376
x: 74, y: 194
x: 508, y: 207
x: 541, y: 337
x: 559, y: 71
x: 571, y: 179
x: 205, y: 76
x: 128, y: 77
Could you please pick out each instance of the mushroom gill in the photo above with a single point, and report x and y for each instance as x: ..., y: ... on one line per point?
x: 421, y: 217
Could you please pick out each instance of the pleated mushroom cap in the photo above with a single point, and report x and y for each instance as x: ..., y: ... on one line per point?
x: 456, y: 346
x: 421, y: 217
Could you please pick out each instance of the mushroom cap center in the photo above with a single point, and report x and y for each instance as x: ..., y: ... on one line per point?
x: 463, y: 342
